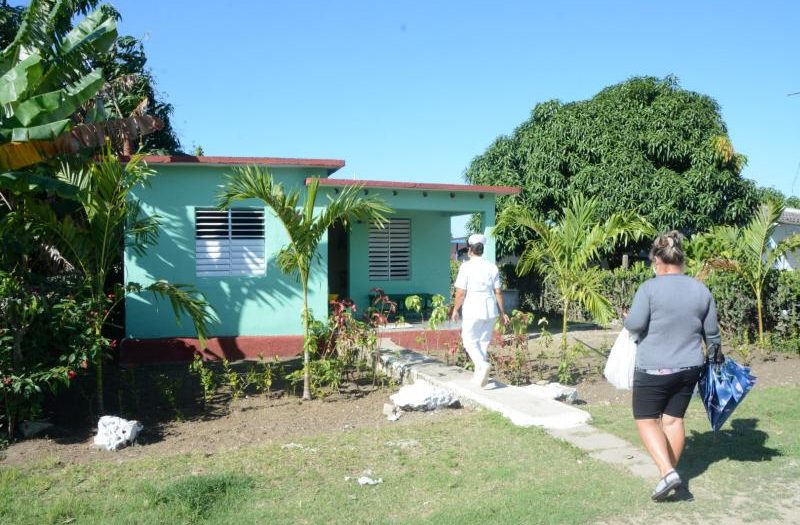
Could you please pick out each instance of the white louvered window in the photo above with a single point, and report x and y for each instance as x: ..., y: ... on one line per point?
x: 390, y: 251
x: 229, y: 242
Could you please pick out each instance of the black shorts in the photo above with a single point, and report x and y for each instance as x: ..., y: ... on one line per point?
x: 654, y: 395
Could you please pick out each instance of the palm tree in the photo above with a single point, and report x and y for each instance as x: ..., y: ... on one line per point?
x: 750, y: 252
x: 304, y: 227
x: 565, y: 252
x: 91, y: 240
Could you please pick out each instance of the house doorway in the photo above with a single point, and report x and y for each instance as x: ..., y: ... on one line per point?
x: 338, y: 264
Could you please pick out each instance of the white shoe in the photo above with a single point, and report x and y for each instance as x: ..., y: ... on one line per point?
x: 481, y: 376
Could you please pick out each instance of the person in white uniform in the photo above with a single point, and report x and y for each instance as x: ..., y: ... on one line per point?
x: 478, y: 291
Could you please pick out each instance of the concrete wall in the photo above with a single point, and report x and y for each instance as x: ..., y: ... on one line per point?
x: 430, y: 214
x: 264, y: 305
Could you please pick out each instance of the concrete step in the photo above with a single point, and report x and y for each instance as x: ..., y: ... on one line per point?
x: 523, y: 406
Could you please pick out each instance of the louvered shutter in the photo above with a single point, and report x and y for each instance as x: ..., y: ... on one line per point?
x: 229, y: 242
x: 390, y: 251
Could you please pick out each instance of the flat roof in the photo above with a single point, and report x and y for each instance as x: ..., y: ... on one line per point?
x: 277, y: 162
x: 392, y: 185
x: 790, y: 216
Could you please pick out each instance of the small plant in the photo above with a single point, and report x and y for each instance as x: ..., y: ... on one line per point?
x: 325, y: 376
x: 439, y: 312
x: 270, y: 371
x: 206, y: 375
x: 169, y: 388
x: 413, y: 303
x: 377, y: 314
x: 545, y: 344
x: 566, y: 364
x: 231, y: 378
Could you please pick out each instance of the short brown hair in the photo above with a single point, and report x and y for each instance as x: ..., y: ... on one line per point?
x: 668, y: 247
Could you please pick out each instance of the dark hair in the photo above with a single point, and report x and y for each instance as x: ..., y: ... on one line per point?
x: 476, y: 248
x: 668, y: 247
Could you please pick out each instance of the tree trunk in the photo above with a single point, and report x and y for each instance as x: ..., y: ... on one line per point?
x: 101, y: 406
x: 306, y: 370
x: 564, y: 329
x: 759, y: 312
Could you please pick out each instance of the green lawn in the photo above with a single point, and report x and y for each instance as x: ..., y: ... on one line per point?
x: 750, y: 468
x: 473, y: 469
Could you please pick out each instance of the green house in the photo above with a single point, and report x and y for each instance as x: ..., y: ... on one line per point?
x: 229, y: 255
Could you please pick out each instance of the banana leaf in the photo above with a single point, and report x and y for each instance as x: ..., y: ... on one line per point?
x: 20, y: 79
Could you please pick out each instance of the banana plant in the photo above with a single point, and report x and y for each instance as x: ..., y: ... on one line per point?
x: 45, y: 81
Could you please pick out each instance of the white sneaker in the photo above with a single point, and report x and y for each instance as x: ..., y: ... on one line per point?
x: 481, y: 376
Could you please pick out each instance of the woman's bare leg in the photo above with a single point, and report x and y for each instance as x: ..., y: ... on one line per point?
x: 676, y: 436
x: 655, y: 441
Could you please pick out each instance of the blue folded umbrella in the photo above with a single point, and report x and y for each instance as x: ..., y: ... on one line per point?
x: 723, y: 387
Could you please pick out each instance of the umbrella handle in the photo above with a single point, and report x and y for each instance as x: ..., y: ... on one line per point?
x: 715, y: 354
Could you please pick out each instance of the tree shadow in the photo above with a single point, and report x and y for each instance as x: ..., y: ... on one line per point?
x: 742, y: 442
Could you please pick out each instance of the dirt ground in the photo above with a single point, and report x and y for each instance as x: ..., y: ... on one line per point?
x: 248, y: 421
x: 282, y: 417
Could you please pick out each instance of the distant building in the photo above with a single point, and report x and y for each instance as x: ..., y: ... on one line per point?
x: 788, y: 225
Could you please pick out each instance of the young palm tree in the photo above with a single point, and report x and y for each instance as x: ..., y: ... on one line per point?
x: 564, y: 252
x: 750, y: 252
x: 304, y: 227
x: 91, y: 241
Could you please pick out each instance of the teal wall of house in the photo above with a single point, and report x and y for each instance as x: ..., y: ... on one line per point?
x: 271, y: 304
x: 259, y: 305
x: 429, y: 213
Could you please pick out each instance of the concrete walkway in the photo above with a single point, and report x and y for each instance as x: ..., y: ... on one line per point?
x: 528, y: 406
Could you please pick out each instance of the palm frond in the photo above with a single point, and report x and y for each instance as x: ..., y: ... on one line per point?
x: 787, y: 245
x: 185, y: 301
x: 587, y: 290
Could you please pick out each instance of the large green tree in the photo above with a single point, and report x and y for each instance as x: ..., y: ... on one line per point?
x: 645, y: 144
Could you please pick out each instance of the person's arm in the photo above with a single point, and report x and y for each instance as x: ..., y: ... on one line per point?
x: 498, y: 294
x: 639, y: 315
x: 711, y: 325
x: 460, y: 286
x: 457, y: 302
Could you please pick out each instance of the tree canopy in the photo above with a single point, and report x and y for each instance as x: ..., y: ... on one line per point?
x: 645, y: 144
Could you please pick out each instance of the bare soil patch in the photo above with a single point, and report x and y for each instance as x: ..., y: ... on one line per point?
x: 249, y: 421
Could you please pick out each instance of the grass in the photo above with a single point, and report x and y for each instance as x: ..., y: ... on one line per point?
x: 749, y: 469
x: 474, y: 469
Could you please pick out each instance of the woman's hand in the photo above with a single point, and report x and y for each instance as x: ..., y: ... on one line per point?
x: 504, y: 318
x: 454, y: 315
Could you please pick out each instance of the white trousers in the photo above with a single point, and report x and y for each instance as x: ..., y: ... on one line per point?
x: 476, y: 335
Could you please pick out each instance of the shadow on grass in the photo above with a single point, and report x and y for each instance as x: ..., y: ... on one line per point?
x: 742, y: 442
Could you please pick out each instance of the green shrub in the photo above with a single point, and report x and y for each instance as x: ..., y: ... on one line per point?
x: 620, y: 285
x: 782, y: 307
x: 736, y: 305
x: 45, y: 342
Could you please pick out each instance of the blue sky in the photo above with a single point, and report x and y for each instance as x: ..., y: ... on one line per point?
x: 413, y: 90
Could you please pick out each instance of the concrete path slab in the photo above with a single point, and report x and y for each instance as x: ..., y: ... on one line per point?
x: 526, y: 406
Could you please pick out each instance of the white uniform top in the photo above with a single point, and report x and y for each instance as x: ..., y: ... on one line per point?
x: 478, y: 278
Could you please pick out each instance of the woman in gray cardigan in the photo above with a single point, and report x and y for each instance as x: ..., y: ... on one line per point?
x: 671, y: 315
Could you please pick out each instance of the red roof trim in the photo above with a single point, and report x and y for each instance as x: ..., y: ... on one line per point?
x: 330, y: 164
x: 499, y: 190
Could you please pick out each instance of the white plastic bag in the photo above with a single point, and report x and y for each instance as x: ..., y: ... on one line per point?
x: 621, y: 361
